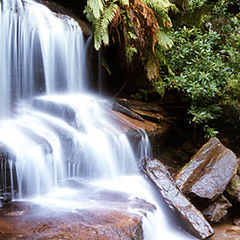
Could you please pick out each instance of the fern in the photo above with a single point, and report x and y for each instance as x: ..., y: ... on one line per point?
x: 97, y: 7
x: 143, y: 25
x: 107, y: 17
x: 164, y: 40
x: 124, y: 2
x: 100, y: 14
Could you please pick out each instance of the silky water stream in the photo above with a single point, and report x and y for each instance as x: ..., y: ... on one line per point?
x: 57, y: 134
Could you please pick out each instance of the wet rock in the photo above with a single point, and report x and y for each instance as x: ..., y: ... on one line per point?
x: 158, y: 174
x: 7, y: 165
x: 156, y: 132
x: 61, y: 110
x: 209, y: 171
x: 233, y: 188
x: 31, y: 221
x: 217, y: 210
x: 118, y: 107
x: 155, y: 117
x: 149, y: 111
x: 41, y: 141
x: 139, y: 105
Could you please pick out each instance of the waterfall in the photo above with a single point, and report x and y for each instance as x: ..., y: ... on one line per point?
x: 40, y: 53
x: 54, y: 130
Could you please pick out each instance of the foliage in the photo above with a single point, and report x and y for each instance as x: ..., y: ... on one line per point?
x: 195, y: 4
x: 142, y: 94
x: 207, y: 71
x: 141, y: 28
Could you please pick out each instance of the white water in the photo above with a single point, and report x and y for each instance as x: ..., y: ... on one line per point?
x: 42, y: 53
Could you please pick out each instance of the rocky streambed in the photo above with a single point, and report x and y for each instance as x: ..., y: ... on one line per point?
x: 203, y: 194
x: 205, y: 191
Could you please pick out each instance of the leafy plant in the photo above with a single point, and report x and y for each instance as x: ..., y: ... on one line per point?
x: 141, y: 27
x: 206, y: 67
x: 142, y: 94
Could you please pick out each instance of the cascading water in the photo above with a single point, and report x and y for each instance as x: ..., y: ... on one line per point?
x: 60, y: 136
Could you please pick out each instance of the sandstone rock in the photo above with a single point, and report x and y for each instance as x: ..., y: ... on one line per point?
x: 132, y: 126
x: 139, y: 105
x: 155, y: 117
x: 233, y: 188
x: 217, y: 210
x: 118, y: 107
x: 158, y: 174
x: 209, y: 171
x: 21, y: 220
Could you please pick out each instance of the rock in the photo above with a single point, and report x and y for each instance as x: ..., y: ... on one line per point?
x: 233, y: 188
x: 158, y: 174
x: 236, y: 221
x: 61, y: 110
x: 217, y: 210
x: 155, y: 117
x: 118, y: 107
x: 6, y: 156
x: 139, y: 105
x: 31, y: 221
x: 209, y: 171
x: 156, y: 132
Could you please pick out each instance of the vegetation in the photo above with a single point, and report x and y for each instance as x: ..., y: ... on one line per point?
x: 207, y: 71
x: 202, y: 64
x: 141, y: 28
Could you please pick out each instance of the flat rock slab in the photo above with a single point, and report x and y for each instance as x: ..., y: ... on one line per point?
x: 126, y: 124
x: 81, y: 212
x: 158, y: 174
x: 28, y: 220
x: 209, y: 171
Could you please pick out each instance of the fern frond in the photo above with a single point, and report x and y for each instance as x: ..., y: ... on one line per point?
x: 152, y: 69
x: 96, y: 7
x: 160, y: 5
x: 124, y: 2
x: 107, y: 17
x: 164, y: 40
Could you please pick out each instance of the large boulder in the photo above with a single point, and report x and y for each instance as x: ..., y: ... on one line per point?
x: 209, y: 171
x: 217, y: 210
x: 193, y: 218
